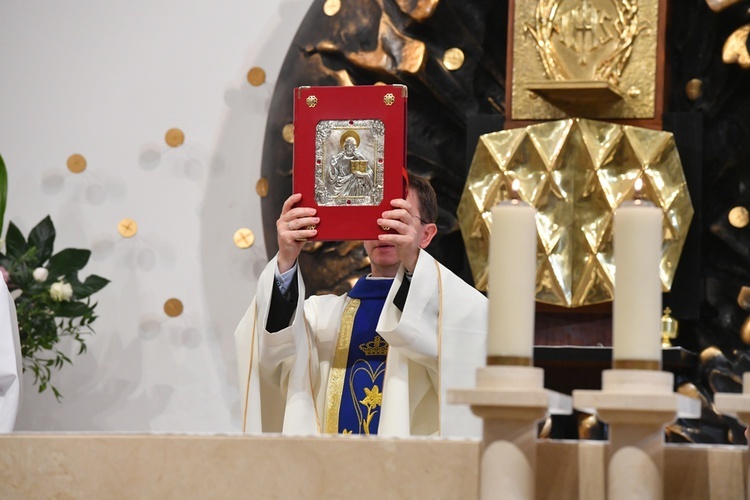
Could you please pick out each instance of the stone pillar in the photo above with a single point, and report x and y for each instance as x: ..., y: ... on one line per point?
x: 636, y: 404
x: 510, y: 400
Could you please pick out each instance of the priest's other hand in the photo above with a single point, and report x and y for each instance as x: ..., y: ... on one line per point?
x: 407, y: 226
x: 292, y: 231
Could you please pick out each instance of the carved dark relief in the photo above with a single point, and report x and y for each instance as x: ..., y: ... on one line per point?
x: 375, y: 41
x: 371, y: 41
x: 696, y: 36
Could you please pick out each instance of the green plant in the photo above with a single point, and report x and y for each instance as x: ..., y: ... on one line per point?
x: 51, y: 302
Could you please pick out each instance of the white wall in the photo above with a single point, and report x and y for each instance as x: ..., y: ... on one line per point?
x: 107, y: 80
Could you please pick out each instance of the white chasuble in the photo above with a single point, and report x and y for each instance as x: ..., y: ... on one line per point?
x: 436, y: 343
x: 10, y: 361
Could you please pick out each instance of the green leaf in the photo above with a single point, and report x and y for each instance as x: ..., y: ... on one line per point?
x: 15, y: 243
x: 67, y: 262
x: 43, y: 237
x: 69, y: 309
x: 92, y: 285
x: 3, y: 191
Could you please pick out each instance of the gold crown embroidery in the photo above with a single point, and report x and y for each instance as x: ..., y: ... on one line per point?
x: 375, y: 347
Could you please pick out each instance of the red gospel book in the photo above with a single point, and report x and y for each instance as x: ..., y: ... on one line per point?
x: 349, y: 156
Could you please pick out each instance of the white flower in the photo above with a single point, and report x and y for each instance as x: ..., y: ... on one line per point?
x: 60, y: 291
x: 40, y: 274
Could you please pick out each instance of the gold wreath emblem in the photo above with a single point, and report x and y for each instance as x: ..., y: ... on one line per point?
x: 389, y: 99
x: 624, y: 33
x: 311, y: 101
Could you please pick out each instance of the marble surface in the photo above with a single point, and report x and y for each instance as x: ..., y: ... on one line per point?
x: 170, y: 466
x: 86, y: 466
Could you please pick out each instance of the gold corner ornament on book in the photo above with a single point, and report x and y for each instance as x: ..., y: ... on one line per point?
x: 575, y: 172
x: 593, y: 58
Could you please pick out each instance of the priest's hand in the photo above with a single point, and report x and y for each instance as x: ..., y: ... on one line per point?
x: 408, y: 228
x: 292, y: 231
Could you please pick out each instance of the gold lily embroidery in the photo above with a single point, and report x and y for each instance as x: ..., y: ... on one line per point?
x: 373, y: 398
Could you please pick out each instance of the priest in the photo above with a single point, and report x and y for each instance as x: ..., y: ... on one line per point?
x: 377, y: 360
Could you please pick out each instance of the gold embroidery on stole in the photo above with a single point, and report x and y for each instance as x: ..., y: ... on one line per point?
x: 250, y: 369
x: 338, y: 368
x: 439, y: 346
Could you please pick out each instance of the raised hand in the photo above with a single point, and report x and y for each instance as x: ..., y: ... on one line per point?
x: 410, y: 234
x: 293, y: 227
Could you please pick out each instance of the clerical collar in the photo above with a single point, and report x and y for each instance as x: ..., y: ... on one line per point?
x: 371, y: 277
x: 368, y: 287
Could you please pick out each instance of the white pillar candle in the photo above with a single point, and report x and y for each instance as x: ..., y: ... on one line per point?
x: 636, y: 316
x: 512, y: 280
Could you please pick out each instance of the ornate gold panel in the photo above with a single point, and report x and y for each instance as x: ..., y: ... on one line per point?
x: 576, y: 172
x: 592, y: 58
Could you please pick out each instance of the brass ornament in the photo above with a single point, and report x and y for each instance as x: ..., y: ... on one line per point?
x: 735, y: 48
x: 743, y: 298
x: 669, y: 328
x: 76, y: 163
x: 261, y: 187
x: 586, y: 426
x: 311, y: 101
x: 745, y: 331
x: 127, y: 228
x: 453, y: 58
x: 331, y: 7
x: 694, y: 89
x: 710, y: 353
x: 389, y: 99
x: 244, y: 238
x: 738, y: 217
x: 256, y: 76
x: 174, y: 137
x: 287, y: 133
x: 582, y: 57
x: 575, y: 172
x: 173, y: 307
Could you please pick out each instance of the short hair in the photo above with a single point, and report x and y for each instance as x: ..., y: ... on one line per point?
x: 428, y: 207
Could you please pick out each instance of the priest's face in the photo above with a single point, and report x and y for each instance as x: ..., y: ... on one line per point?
x: 384, y: 258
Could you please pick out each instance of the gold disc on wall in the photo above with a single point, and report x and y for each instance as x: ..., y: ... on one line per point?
x: 127, y: 228
x: 173, y: 308
x: 256, y: 76
x: 287, y: 133
x: 694, y: 89
x: 739, y: 217
x: 261, y: 187
x: 76, y: 163
x: 244, y: 238
x: 174, y: 137
x: 331, y: 7
x: 453, y: 58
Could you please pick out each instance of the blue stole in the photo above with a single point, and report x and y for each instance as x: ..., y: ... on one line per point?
x: 362, y: 395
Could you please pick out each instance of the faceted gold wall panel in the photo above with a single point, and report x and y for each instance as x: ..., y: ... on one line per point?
x: 576, y: 172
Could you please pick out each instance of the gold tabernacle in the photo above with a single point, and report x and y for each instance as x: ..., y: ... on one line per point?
x: 592, y: 58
